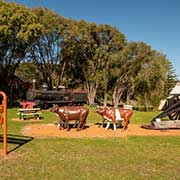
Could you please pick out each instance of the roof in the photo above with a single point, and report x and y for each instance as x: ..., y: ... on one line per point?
x: 176, y: 89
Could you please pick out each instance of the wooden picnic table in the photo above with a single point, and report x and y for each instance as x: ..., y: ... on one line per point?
x: 35, y: 112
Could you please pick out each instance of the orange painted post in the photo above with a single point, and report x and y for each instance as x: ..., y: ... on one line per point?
x: 3, y: 110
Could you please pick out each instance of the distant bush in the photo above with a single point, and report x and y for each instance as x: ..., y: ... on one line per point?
x: 142, y: 108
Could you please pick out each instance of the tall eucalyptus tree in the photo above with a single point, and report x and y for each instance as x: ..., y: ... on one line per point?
x: 150, y: 82
x: 18, y: 28
x: 139, y: 72
x: 46, y: 50
x: 98, y: 43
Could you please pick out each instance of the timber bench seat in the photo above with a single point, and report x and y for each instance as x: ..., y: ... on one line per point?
x: 29, y: 112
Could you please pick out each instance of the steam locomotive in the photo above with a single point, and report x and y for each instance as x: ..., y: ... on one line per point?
x: 45, y: 98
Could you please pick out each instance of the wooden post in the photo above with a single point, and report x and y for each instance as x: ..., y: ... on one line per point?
x: 3, y: 110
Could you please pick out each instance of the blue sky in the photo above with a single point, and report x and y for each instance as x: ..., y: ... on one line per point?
x: 156, y: 22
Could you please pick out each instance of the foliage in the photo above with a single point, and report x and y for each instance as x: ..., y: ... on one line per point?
x: 171, y: 79
x: 29, y: 71
x: 18, y: 28
x: 46, y: 50
x: 98, y: 43
x: 139, y: 72
x: 152, y: 79
x: 79, y: 54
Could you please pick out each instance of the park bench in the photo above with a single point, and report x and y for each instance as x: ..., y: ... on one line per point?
x: 29, y: 112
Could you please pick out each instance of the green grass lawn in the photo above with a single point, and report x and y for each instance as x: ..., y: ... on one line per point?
x: 89, y: 158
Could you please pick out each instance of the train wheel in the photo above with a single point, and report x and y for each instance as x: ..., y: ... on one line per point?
x: 172, y: 101
x: 174, y: 116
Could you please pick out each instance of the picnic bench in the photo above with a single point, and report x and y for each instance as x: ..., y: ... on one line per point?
x: 35, y: 112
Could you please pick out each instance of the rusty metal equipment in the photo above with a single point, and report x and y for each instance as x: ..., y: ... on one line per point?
x: 171, y: 108
x: 3, y: 121
x: 169, y: 118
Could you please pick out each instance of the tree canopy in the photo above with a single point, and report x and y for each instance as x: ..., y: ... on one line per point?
x: 18, y: 29
x: 96, y: 57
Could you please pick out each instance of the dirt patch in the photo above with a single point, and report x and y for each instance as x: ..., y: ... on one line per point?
x: 51, y: 130
x: 26, y: 120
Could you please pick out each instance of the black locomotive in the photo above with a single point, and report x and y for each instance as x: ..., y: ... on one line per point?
x: 46, y: 98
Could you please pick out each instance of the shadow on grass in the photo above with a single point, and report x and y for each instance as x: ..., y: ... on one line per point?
x: 17, y: 140
x: 101, y: 125
x: 71, y: 126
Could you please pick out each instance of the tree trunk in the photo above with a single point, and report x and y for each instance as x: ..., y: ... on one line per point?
x: 105, y: 98
x: 117, y: 93
x: 128, y: 98
x: 91, y: 89
x: 145, y: 103
x: 105, y: 95
x: 62, y: 72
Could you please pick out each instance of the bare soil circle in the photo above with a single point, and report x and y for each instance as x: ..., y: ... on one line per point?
x: 51, y: 130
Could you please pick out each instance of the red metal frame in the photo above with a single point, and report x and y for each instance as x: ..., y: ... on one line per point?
x: 3, y: 121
